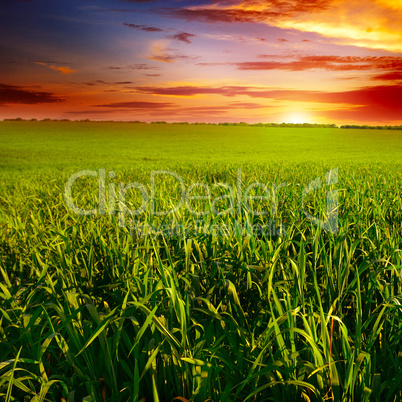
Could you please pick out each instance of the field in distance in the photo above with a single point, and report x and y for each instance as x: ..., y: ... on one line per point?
x: 33, y: 146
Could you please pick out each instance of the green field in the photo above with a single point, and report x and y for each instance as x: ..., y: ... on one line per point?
x: 121, y: 307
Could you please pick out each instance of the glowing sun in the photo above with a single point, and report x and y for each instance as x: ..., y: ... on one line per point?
x: 297, y: 118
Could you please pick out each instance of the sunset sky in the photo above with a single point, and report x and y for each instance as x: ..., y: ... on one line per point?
x: 319, y: 61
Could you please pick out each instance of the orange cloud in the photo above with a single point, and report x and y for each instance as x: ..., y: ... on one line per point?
x: 374, y: 24
x: 63, y: 69
x: 160, y: 51
x: 60, y: 69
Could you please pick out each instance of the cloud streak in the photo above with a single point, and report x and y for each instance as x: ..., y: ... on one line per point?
x: 182, y: 37
x: 10, y: 94
x: 60, y: 69
x: 328, y: 63
x: 138, y: 66
x: 391, y: 76
x: 143, y: 27
x: 137, y: 105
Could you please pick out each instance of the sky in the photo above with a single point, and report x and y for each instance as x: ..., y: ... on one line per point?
x: 316, y: 61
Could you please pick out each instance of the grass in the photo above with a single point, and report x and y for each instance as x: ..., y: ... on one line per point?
x: 90, y: 311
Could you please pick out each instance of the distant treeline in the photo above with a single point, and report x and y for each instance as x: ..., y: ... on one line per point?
x: 242, y: 123
x: 365, y: 127
x: 302, y: 125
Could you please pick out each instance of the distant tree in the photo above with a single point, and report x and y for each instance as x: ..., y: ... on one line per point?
x: 367, y: 127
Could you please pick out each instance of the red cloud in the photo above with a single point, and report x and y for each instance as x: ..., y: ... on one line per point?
x: 365, y: 114
x: 385, y: 96
x: 391, y: 76
x: 330, y: 63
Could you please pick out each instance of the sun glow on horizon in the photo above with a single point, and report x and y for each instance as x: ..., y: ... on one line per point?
x: 297, y: 118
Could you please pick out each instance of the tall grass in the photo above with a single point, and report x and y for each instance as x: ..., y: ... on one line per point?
x: 89, y: 311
